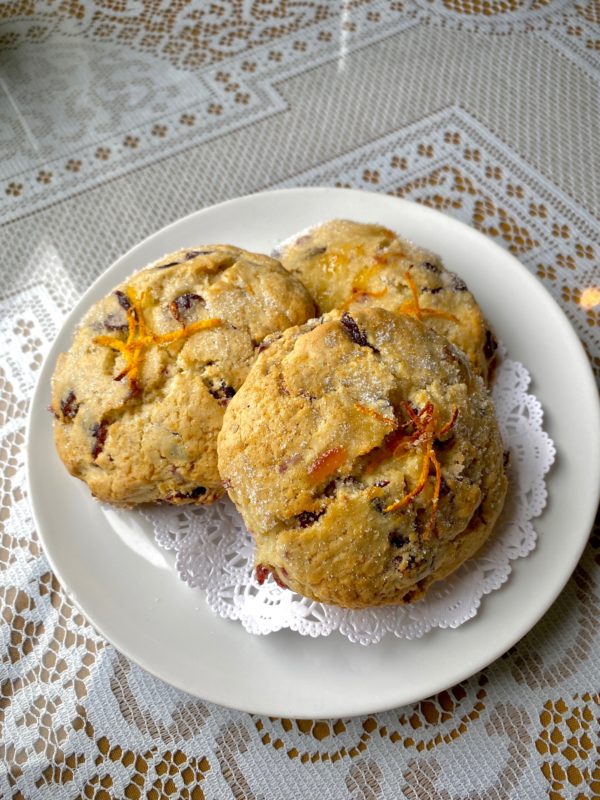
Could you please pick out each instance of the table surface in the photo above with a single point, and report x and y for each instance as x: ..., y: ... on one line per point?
x: 120, y: 116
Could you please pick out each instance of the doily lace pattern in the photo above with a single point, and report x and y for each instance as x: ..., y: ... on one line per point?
x: 215, y: 554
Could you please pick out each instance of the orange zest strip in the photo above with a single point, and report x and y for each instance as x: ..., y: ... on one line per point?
x: 124, y: 372
x: 136, y: 310
x: 358, y: 295
x: 415, y: 309
x: 450, y: 424
x: 327, y: 463
x: 130, y: 325
x: 434, y: 312
x: 423, y: 437
x: 360, y: 283
x: 188, y: 330
x: 415, y: 294
x: 414, y: 492
x: 406, y: 443
x: 397, y: 441
x: 112, y: 342
x: 139, y: 338
x: 372, y: 413
x: 436, y: 493
x: 426, y: 412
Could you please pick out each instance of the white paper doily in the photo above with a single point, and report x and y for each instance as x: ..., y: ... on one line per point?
x: 215, y: 553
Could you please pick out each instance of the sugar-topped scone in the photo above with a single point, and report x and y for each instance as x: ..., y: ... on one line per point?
x: 345, y: 264
x: 364, y: 456
x: 139, y: 397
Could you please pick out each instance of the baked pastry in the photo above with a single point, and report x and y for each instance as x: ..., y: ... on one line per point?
x: 139, y: 397
x: 344, y: 264
x: 364, y: 456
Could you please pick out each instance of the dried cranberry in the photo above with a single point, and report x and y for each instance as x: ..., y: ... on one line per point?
x: 315, y: 251
x: 379, y: 504
x: 436, y: 290
x: 99, y: 431
x: 457, y: 284
x: 170, y: 264
x: 123, y: 300
x: 135, y: 390
x: 354, y: 332
x: 222, y: 393
x: 398, y: 539
x: 331, y: 489
x: 490, y: 346
x: 352, y: 329
x: 193, y: 253
x: 183, y: 303
x: 187, y: 257
x: 115, y: 322
x: 262, y: 573
x: 69, y: 405
x: 308, y: 518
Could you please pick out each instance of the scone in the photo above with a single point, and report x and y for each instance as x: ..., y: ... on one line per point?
x: 345, y: 264
x: 139, y: 397
x: 364, y: 456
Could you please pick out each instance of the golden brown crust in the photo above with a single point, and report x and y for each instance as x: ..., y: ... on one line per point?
x: 346, y: 264
x: 333, y: 429
x: 139, y: 397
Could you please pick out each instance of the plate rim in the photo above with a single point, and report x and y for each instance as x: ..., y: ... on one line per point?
x: 357, y: 707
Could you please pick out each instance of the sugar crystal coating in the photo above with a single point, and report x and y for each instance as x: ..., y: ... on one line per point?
x: 139, y: 397
x: 364, y: 473
x: 345, y: 264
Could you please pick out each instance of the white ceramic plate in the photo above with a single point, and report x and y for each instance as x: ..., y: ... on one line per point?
x: 126, y: 586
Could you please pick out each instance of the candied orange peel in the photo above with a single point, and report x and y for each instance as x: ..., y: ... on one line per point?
x: 425, y: 432
x: 326, y: 464
x: 414, y: 308
x: 140, y: 338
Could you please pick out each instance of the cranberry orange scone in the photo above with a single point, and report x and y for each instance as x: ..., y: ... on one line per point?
x: 139, y: 397
x: 347, y: 264
x: 364, y: 456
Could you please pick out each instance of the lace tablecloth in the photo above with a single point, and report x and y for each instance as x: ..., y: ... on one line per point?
x: 118, y: 117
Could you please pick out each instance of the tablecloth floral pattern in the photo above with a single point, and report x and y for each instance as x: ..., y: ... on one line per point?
x: 119, y: 116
